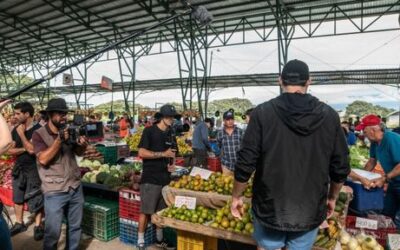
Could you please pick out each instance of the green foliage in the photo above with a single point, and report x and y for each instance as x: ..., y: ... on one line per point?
x: 238, y: 104
x: 362, y: 108
x: 118, y: 107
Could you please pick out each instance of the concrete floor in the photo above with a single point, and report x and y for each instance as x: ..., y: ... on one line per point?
x: 25, y: 241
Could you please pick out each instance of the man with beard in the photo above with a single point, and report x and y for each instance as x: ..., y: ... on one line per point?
x: 26, y: 181
x: 60, y: 176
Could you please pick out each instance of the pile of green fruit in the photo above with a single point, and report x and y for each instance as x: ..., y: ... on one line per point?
x: 341, y: 203
x: 225, y: 220
x: 200, y: 215
x: 217, y: 183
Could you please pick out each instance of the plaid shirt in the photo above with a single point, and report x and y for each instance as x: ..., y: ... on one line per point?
x: 229, y: 145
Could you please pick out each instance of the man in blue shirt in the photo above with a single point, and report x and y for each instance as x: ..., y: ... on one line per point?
x: 200, y: 142
x: 385, y: 148
x: 229, y: 139
x: 350, y: 136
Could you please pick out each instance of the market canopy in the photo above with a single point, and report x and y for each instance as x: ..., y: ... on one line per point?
x: 31, y: 31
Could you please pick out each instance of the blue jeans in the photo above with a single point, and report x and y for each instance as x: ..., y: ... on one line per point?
x: 392, y: 203
x: 5, y: 238
x: 270, y: 239
x: 56, y: 205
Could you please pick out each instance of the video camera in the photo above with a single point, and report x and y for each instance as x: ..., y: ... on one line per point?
x: 91, y: 130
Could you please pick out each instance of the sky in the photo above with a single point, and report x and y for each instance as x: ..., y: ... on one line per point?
x: 361, y: 51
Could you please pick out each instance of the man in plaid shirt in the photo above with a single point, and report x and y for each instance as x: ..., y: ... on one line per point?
x: 229, y: 139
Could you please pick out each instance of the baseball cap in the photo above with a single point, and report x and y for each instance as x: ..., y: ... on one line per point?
x: 295, y: 72
x: 228, y: 115
x: 368, y: 120
x: 168, y: 110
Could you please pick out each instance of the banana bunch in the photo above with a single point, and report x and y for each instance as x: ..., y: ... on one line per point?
x: 183, y: 147
x: 133, y: 140
x: 328, y: 237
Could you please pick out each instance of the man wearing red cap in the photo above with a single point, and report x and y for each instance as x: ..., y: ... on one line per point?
x: 385, y: 148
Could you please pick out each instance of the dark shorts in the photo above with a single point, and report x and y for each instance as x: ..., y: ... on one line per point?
x: 26, y: 187
x: 151, y: 199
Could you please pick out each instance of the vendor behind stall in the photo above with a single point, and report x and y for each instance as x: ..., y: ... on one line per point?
x: 385, y: 149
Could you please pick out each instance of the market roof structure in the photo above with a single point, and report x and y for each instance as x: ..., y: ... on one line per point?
x: 37, y: 29
x: 38, y: 37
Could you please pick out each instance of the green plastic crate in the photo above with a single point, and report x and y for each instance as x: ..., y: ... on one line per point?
x: 110, y: 153
x: 170, y: 236
x: 100, y: 218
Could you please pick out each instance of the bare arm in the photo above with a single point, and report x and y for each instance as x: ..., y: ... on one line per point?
x: 238, y: 189
x: 5, y: 136
x: 370, y: 165
x: 147, y: 154
x: 16, y: 151
x: 334, y: 190
x: 28, y: 146
x: 46, y: 156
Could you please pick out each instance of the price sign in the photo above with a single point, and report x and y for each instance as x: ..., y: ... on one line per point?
x: 189, y: 202
x: 366, y: 223
x: 394, y: 241
x: 204, y: 173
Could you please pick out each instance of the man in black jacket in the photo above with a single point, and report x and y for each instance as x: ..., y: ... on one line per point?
x: 296, y: 146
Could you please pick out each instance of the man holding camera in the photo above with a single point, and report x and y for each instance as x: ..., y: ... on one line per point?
x: 26, y: 181
x: 60, y: 176
x: 157, y: 148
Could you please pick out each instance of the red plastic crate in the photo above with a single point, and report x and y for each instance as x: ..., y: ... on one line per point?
x: 214, y: 164
x: 6, y: 197
x: 129, y: 204
x: 380, y: 235
x: 180, y: 161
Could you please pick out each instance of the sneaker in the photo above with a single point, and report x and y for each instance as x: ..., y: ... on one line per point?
x: 162, y: 244
x: 141, y: 247
x: 17, y: 228
x: 38, y: 233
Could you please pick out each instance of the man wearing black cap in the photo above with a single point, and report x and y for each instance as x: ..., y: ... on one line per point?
x: 296, y: 147
x: 60, y: 176
x: 156, y: 148
x: 229, y: 139
x: 26, y: 181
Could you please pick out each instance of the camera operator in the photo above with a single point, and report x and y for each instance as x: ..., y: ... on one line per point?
x: 157, y: 148
x: 60, y: 176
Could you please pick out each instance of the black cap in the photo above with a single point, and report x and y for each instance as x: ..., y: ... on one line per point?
x: 168, y: 110
x: 295, y: 72
x: 228, y: 115
x: 57, y: 104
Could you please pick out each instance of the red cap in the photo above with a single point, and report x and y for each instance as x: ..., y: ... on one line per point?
x: 368, y: 120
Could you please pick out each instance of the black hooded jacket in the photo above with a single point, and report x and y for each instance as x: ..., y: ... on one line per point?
x: 296, y: 146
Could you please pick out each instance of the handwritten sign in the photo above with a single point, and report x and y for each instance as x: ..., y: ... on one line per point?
x: 204, y: 173
x: 366, y: 223
x: 394, y: 241
x: 189, y: 202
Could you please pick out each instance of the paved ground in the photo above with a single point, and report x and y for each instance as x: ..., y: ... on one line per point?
x: 25, y: 241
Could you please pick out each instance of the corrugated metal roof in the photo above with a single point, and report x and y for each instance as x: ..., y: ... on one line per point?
x: 31, y: 29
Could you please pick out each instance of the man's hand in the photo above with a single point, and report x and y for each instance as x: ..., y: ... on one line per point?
x: 367, y: 183
x: 379, y: 182
x: 169, y: 153
x: 21, y: 129
x: 331, y: 207
x: 171, y: 168
x: 4, y: 103
x: 82, y: 141
x: 237, y: 209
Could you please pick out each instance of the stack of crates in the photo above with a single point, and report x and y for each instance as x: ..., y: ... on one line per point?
x: 128, y: 232
x: 129, y: 211
x: 100, y: 218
